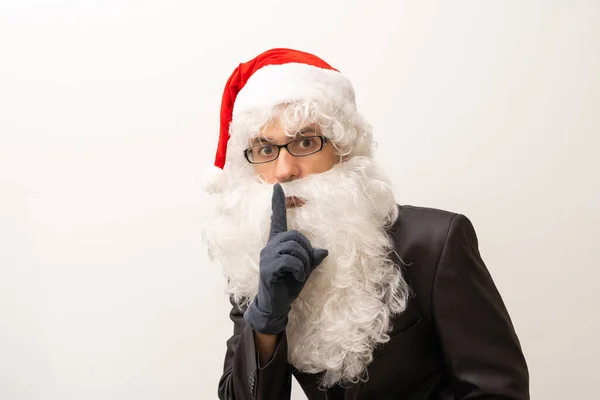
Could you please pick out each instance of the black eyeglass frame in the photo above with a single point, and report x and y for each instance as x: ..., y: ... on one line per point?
x: 324, y: 141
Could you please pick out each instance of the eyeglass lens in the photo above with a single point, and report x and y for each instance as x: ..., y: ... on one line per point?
x: 300, y: 147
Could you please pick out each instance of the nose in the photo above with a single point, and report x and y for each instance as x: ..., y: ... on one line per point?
x: 286, y: 168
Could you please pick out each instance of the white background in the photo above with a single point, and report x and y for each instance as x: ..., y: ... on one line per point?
x: 109, y: 114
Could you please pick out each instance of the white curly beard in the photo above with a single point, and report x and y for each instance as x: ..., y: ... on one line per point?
x: 346, y: 306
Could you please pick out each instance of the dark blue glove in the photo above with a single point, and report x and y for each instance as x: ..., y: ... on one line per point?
x: 285, y: 264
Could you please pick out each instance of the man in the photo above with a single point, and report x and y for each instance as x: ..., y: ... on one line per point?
x: 330, y: 280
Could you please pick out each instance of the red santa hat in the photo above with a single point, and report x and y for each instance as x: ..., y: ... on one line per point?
x: 275, y: 77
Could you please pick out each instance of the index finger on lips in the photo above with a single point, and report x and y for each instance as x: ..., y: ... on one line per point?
x: 279, y: 215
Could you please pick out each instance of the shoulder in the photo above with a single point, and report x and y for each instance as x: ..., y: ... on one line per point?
x: 416, y: 214
x: 424, y: 228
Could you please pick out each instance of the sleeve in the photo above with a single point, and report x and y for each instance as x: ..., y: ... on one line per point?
x: 479, y: 343
x: 242, y: 378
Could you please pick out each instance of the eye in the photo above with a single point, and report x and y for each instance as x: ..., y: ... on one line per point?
x: 265, y: 151
x: 308, y: 143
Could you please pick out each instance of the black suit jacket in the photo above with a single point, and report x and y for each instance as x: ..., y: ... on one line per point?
x: 455, y: 340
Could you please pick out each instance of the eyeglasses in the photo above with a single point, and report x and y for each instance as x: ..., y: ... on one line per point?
x: 267, y: 152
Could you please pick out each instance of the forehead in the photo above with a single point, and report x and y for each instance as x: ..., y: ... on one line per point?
x: 276, y: 132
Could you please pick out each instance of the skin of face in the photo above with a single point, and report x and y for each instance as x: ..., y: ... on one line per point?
x: 286, y: 167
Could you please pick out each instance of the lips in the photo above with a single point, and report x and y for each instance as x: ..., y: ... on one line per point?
x: 293, y: 202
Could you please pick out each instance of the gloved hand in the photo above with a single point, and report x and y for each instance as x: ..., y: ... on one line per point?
x: 285, y: 264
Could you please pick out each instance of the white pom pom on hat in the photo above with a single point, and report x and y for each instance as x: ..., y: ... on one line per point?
x: 274, y: 77
x: 213, y: 180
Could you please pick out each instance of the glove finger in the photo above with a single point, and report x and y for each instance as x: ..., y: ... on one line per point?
x: 298, y: 237
x: 279, y: 216
x: 318, y: 257
x: 294, y: 266
x: 295, y: 249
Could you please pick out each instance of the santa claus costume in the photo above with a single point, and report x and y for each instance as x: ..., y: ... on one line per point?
x: 402, y: 307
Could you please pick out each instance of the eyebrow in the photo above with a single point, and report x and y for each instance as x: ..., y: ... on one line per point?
x: 259, y: 139
x: 309, y: 128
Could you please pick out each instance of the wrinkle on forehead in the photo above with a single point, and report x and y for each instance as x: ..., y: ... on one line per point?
x: 266, y: 133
